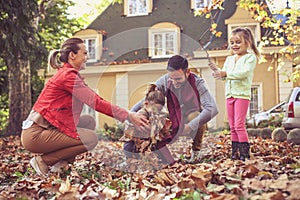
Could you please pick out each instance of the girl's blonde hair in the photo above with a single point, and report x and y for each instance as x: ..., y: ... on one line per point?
x: 59, y: 56
x: 247, y: 34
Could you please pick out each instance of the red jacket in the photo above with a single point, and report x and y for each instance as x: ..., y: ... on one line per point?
x: 62, y: 99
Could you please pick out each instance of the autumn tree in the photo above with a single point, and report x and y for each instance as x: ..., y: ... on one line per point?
x: 3, y: 95
x: 282, y: 29
x: 29, y: 29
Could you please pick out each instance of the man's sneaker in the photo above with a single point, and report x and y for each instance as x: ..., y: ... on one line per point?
x: 59, y: 166
x: 39, y: 165
x: 196, y: 157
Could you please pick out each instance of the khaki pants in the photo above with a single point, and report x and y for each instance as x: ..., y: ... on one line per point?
x: 55, y: 145
x: 198, y: 135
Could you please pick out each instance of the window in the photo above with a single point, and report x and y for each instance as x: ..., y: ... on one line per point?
x: 93, y: 42
x: 164, y: 40
x: 91, y: 47
x: 137, y: 7
x: 164, y: 44
x: 201, y: 4
x: 255, y: 103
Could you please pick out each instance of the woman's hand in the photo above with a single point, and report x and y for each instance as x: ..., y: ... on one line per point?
x: 139, y: 121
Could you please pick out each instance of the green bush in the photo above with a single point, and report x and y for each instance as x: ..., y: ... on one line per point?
x: 4, y: 112
x: 113, y: 133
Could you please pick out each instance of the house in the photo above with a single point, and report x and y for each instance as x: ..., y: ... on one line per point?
x: 129, y: 45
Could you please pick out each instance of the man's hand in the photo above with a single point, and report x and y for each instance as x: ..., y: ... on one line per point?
x: 187, y: 130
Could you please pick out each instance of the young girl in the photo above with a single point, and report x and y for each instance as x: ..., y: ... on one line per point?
x: 238, y: 72
x: 140, y: 142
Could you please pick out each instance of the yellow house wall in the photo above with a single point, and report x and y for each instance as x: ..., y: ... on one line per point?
x: 105, y: 81
x: 106, y: 88
x: 267, y: 78
x: 220, y: 99
x: 138, y: 84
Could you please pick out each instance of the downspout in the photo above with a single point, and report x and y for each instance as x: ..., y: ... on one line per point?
x: 276, y: 79
x: 212, y: 37
x: 204, y: 48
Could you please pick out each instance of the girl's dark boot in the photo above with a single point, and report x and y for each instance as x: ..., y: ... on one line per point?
x: 234, y: 150
x: 244, y: 148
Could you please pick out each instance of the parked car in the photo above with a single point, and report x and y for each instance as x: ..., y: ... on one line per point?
x: 275, y: 113
x: 292, y: 114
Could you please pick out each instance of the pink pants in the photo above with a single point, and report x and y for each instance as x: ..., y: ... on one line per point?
x: 55, y: 145
x: 237, y: 111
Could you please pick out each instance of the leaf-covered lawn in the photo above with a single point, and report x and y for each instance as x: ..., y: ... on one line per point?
x: 273, y: 172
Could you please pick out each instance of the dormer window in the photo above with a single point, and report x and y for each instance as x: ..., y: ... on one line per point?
x: 255, y: 28
x: 164, y: 40
x: 137, y: 7
x: 91, y: 47
x: 243, y: 19
x: 200, y: 4
x: 164, y: 43
x: 93, y: 42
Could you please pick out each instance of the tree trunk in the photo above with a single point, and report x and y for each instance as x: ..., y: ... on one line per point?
x: 19, y: 96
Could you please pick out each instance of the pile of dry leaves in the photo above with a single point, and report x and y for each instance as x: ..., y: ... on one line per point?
x: 273, y: 172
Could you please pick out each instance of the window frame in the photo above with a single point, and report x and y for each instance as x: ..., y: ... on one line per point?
x: 163, y: 32
x: 86, y: 42
x: 206, y: 3
x: 127, y: 8
x: 257, y: 97
x: 91, y: 34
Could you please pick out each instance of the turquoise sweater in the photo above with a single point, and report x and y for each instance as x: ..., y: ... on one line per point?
x: 239, y: 76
